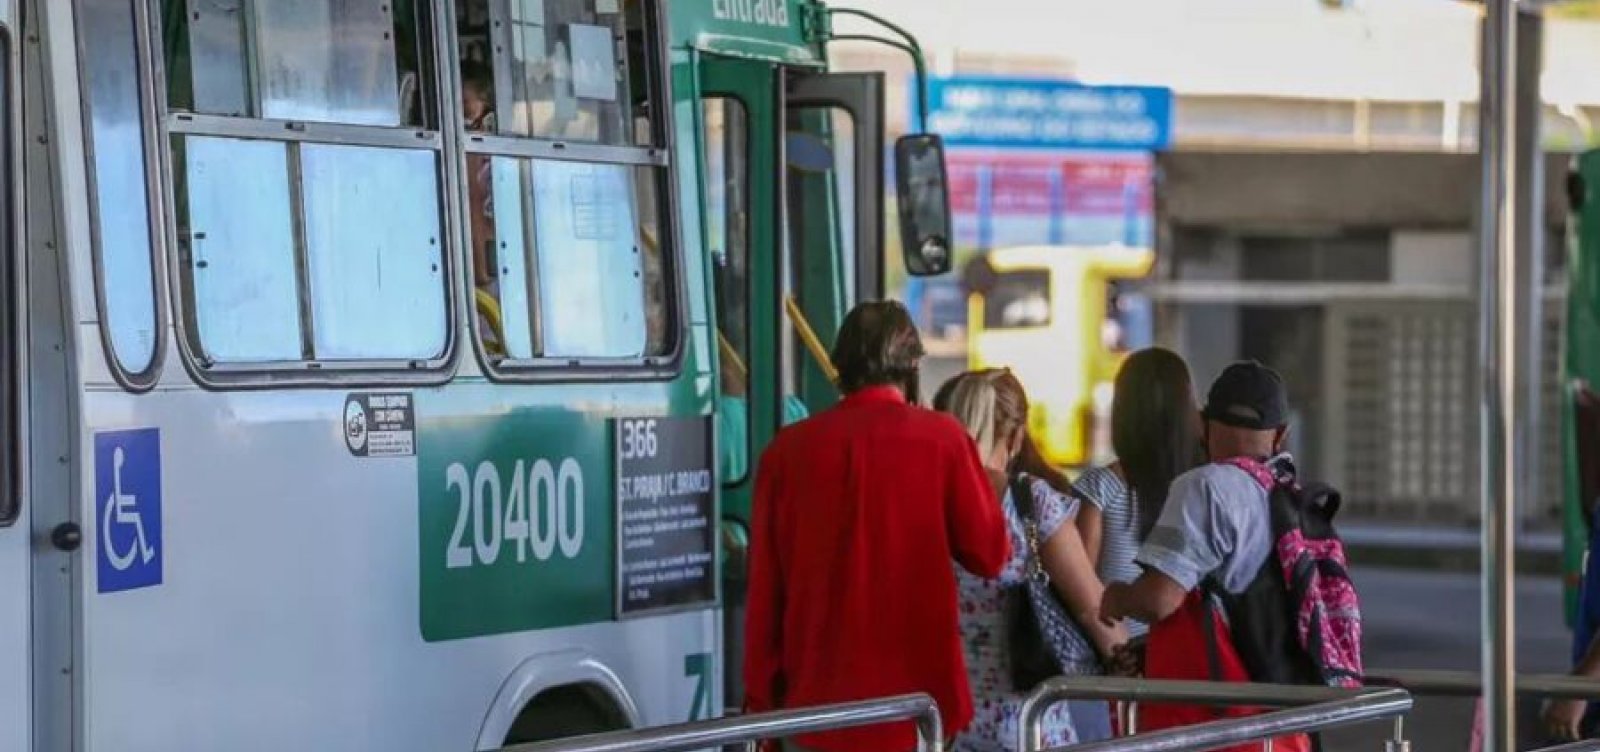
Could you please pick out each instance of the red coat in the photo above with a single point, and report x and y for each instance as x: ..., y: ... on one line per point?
x: 858, y: 514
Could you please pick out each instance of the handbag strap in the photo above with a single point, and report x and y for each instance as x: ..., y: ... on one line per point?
x: 1022, y: 497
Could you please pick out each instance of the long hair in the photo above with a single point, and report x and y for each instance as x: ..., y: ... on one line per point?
x: 941, y: 398
x: 1154, y: 428
x: 992, y: 405
x: 878, y: 345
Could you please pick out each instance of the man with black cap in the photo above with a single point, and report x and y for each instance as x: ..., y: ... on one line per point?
x: 1216, y: 522
x: 1214, y: 533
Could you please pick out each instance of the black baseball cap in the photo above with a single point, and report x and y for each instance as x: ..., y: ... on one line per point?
x: 1248, y: 395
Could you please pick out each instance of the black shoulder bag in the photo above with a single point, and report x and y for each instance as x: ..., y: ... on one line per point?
x: 1033, y: 603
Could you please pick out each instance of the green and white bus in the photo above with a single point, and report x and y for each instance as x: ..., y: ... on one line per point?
x: 1580, y: 364
x: 364, y: 360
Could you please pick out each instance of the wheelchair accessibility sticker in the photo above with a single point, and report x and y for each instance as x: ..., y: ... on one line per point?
x: 127, y: 482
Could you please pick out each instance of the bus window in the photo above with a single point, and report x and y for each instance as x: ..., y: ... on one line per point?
x: 332, y: 61
x: 1018, y: 299
x: 342, y: 68
x: 1127, y: 324
x: 820, y: 148
x: 374, y: 285
x: 653, y: 268
x: 591, y: 277
x: 122, y: 233
x: 551, y: 69
x: 206, y: 58
x: 569, y: 255
x: 245, y: 299
x: 325, y: 246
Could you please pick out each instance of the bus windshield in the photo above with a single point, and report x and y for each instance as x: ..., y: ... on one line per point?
x: 1126, y: 326
x: 1018, y: 299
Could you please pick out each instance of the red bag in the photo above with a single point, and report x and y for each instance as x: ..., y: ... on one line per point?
x: 1177, y: 649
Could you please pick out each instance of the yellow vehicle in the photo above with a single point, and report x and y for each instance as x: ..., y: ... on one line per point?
x: 1050, y: 314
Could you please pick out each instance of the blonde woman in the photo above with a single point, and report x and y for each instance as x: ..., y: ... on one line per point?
x: 993, y: 408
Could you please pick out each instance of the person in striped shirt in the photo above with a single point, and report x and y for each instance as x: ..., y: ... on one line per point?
x: 1155, y: 431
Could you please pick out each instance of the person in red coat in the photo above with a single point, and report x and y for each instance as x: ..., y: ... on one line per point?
x: 859, y: 512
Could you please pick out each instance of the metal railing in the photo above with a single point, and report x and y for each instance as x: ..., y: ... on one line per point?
x: 1417, y: 682
x: 1322, y: 716
x: 745, y: 729
x: 1593, y: 745
x: 1430, y: 683
x: 1222, y: 694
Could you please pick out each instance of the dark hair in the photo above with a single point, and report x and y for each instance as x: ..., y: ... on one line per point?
x: 878, y: 345
x: 475, y: 73
x: 1154, y: 428
x: 1032, y: 462
x: 941, y: 398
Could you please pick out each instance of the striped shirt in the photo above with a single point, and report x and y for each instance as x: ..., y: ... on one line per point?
x: 1119, y: 521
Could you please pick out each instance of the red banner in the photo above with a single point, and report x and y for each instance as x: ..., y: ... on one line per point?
x: 1046, y: 184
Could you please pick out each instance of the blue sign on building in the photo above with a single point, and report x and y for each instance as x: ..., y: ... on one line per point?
x: 1039, y: 113
x: 127, y: 486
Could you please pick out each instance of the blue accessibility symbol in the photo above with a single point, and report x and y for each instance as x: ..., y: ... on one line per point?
x: 127, y: 481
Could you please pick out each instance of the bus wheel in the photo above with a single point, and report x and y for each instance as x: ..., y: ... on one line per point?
x: 568, y: 711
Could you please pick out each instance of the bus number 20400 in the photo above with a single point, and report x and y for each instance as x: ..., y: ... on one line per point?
x: 538, y: 512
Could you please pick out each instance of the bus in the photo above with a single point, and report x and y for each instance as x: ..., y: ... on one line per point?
x: 364, y: 358
x: 1062, y: 318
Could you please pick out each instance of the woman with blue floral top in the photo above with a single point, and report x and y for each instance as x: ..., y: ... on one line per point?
x: 993, y: 408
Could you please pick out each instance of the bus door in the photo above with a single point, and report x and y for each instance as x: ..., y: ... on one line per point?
x: 814, y: 237
x: 833, y: 150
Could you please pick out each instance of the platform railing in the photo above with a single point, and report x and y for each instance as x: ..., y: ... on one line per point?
x: 747, y: 729
x: 1368, y: 705
x: 1416, y: 682
x: 1592, y: 745
x: 1431, y: 683
x: 1469, y: 685
x: 1219, y: 694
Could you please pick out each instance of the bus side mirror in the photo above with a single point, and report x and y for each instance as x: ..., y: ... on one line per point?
x: 923, y: 196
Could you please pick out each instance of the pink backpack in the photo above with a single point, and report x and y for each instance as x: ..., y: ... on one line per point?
x: 1299, y: 622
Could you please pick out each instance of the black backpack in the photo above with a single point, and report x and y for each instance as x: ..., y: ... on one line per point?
x: 1299, y: 621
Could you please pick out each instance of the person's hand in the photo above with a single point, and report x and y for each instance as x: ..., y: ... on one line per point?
x: 1563, y: 719
x: 1127, y: 660
x: 1113, y: 604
